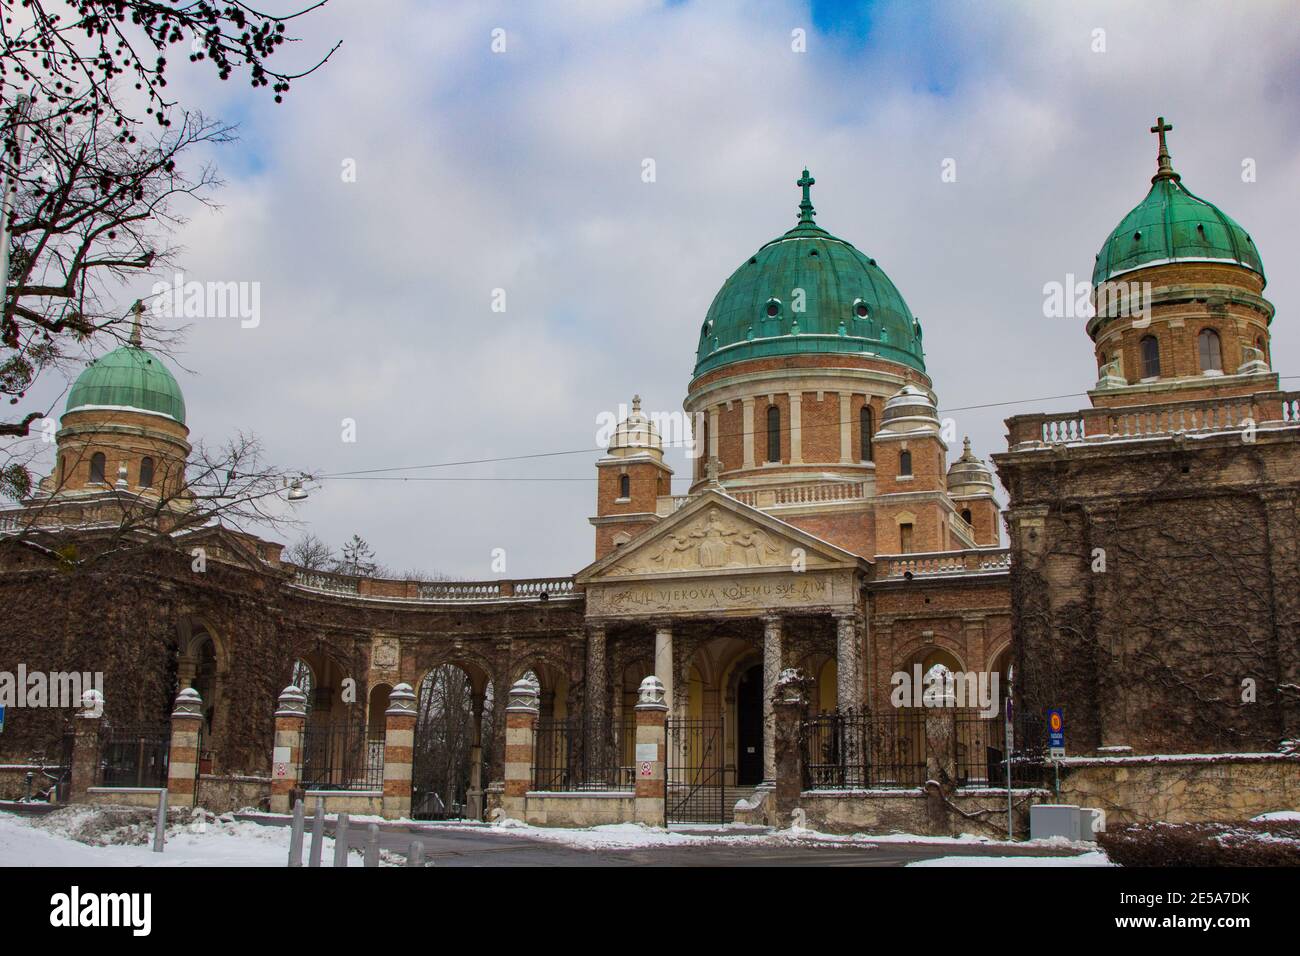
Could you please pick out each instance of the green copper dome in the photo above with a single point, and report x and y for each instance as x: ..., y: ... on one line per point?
x: 808, y: 292
x: 1173, y: 225
x: 129, y: 377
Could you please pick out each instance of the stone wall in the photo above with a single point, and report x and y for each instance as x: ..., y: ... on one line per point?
x: 1183, y: 788
x: 578, y: 809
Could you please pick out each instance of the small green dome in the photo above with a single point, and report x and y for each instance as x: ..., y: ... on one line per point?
x: 1173, y: 225
x: 128, y: 377
x: 849, y: 305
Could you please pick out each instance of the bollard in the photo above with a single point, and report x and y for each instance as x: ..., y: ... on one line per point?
x: 160, y: 827
x: 295, y: 835
x: 317, y: 833
x: 372, y: 845
x: 415, y: 855
x: 341, y: 840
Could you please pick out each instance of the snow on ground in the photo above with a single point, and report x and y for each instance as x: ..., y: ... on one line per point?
x: 1093, y: 858
x: 1286, y: 816
x: 89, y: 836
x: 625, y: 836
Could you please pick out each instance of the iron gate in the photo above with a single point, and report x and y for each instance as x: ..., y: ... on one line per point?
x: 695, y: 772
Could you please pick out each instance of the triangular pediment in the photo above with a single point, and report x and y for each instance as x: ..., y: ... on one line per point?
x: 713, y: 533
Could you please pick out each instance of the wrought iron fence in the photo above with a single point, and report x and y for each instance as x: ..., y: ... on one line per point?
x: 134, y: 756
x: 847, y: 749
x: 566, y: 758
x: 695, y: 773
x: 337, y: 755
x: 857, y: 749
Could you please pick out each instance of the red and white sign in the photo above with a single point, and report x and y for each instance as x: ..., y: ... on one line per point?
x: 645, y: 768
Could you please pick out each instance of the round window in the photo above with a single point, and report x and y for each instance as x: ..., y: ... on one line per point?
x: 773, y: 308
x: 860, y: 309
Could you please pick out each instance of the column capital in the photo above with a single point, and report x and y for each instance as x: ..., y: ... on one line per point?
x: 401, y: 702
x: 188, y: 705
x: 292, y: 703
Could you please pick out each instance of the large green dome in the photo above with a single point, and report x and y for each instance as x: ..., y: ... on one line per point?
x: 128, y: 377
x: 849, y: 304
x: 1173, y: 225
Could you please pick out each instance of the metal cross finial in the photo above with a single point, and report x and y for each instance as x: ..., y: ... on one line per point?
x: 806, y: 207
x: 1165, y: 168
x: 136, y: 338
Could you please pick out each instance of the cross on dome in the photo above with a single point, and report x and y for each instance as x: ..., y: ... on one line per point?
x: 806, y: 210
x: 1165, y: 166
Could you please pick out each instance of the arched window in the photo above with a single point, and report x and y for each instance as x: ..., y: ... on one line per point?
x: 773, y: 433
x: 904, y: 462
x: 624, y: 486
x: 865, y: 426
x: 1211, y: 355
x: 97, y: 467
x: 966, y: 516
x: 146, y: 472
x: 1150, y: 356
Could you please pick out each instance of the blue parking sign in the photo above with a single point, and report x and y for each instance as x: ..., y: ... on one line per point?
x: 1056, y: 732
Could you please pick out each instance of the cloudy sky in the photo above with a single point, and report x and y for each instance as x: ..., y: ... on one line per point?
x: 521, y: 170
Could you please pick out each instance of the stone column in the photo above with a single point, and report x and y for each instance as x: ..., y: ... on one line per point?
x: 286, y: 757
x: 399, y: 751
x: 796, y: 430
x: 650, y: 753
x: 846, y: 428
x: 713, y: 434
x: 747, y: 423
x: 521, y: 720
x: 788, y: 701
x: 664, y: 658
x: 85, y: 746
x: 474, y: 796
x: 597, y: 696
x: 183, y: 751
x: 941, y: 749
x: 848, y: 657
x: 771, y: 673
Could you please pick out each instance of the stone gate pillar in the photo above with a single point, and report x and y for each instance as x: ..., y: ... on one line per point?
x: 85, y: 746
x: 649, y: 754
x: 788, y: 702
x: 399, y: 751
x: 286, y: 757
x: 521, y: 720
x: 183, y: 755
x: 771, y: 673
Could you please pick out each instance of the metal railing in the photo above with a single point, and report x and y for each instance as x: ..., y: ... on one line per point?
x: 337, y: 755
x: 847, y: 749
x: 858, y: 750
x: 134, y: 756
x: 564, y: 760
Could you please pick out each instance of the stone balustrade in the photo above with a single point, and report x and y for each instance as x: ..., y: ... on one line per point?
x: 1206, y: 416
x: 943, y: 563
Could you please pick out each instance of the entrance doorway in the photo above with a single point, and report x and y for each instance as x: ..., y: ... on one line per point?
x: 749, y: 727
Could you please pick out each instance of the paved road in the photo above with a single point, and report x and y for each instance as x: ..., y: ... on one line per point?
x: 470, y: 845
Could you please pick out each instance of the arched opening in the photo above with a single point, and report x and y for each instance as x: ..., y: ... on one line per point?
x: 904, y: 462
x: 97, y: 466
x: 773, y: 433
x: 966, y: 515
x: 146, y: 472
x: 1150, y: 350
x: 455, y: 711
x: 1210, y: 353
x: 866, y: 428
x: 624, y: 486
x: 749, y: 727
x: 377, y: 711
